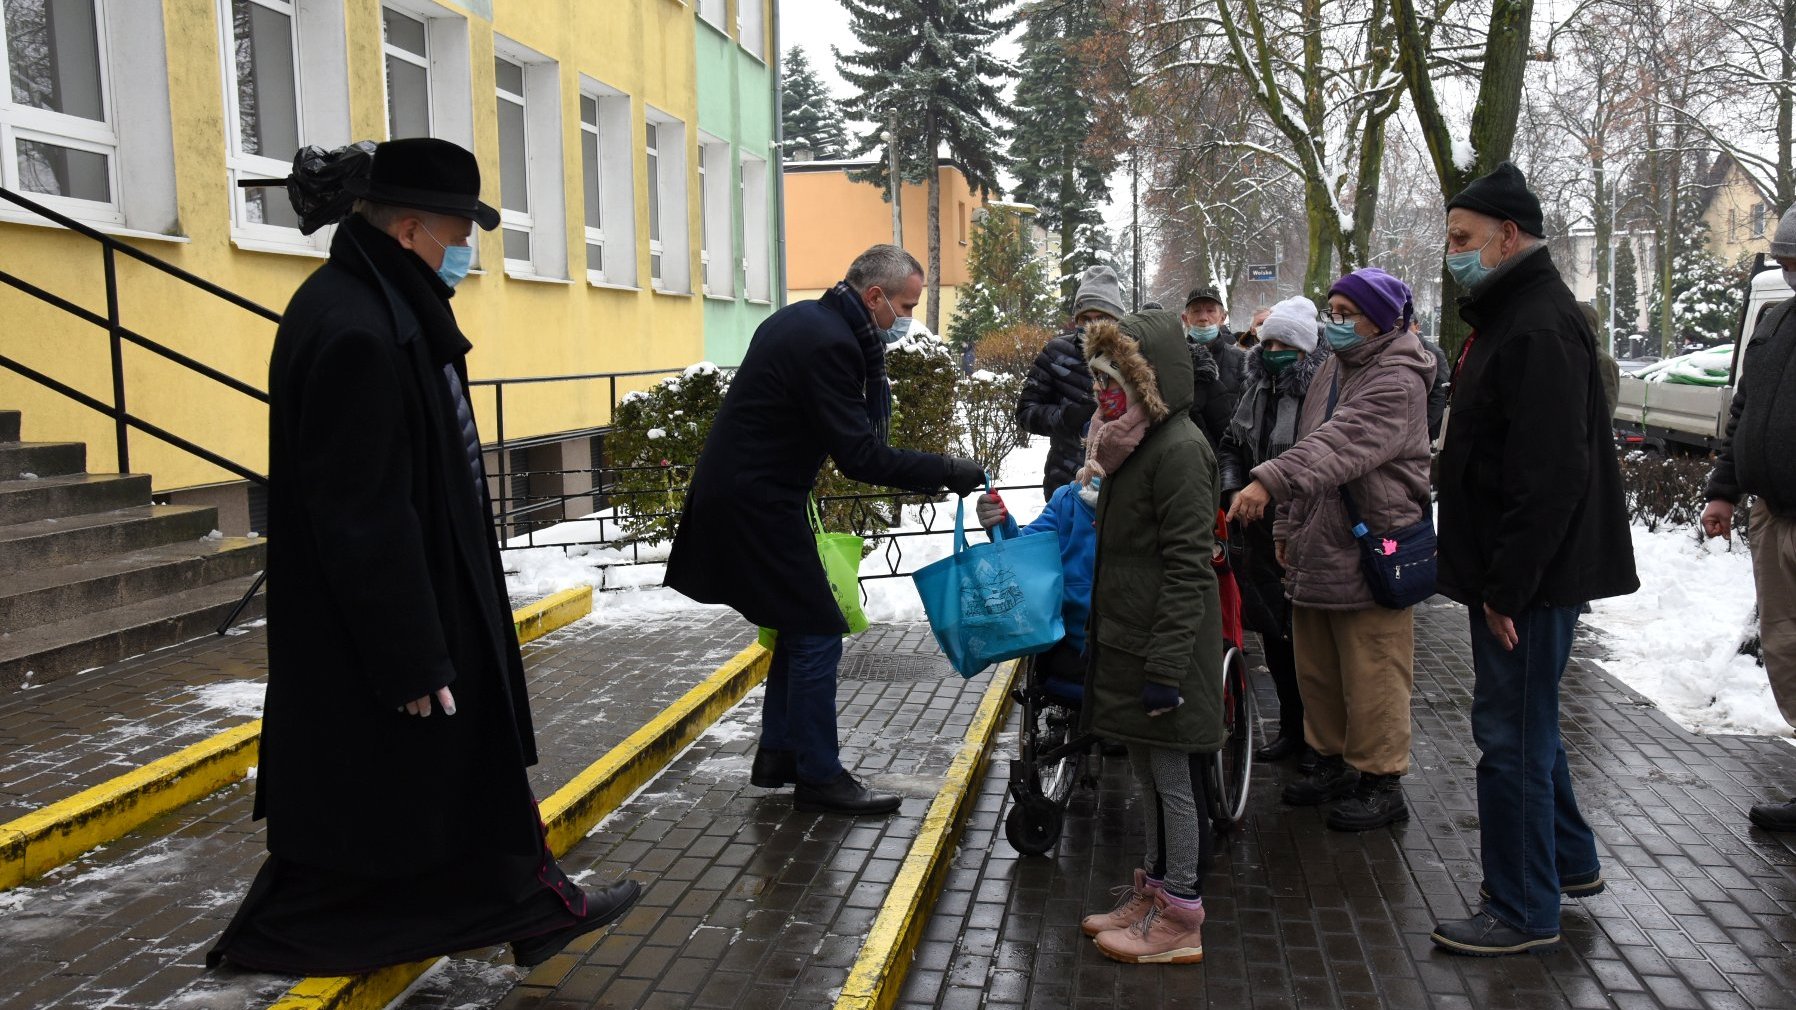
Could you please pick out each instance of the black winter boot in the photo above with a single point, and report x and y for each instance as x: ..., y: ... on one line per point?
x: 1331, y: 780
x: 1376, y: 800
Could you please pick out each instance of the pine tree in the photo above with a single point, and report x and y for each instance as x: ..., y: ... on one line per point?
x: 1009, y: 285
x: 1705, y: 295
x: 927, y: 74
x: 810, y: 119
x: 1055, y: 119
x: 1627, y: 293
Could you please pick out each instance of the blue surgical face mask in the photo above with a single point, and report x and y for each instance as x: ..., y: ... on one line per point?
x: 457, y: 260
x: 1468, y: 267
x: 1341, y: 336
x: 899, y: 329
x: 1202, y: 334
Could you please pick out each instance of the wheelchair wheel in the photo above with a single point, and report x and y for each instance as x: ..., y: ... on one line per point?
x: 1033, y: 825
x: 1231, y: 767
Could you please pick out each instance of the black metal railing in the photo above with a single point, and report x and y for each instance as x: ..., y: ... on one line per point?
x: 118, y: 334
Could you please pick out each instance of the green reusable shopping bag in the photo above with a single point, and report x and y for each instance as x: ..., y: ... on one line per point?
x: 841, y: 557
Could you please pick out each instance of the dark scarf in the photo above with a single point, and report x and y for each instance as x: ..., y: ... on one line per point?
x: 362, y: 249
x: 878, y: 390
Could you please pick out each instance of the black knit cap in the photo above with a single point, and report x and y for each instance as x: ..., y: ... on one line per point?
x: 424, y: 173
x: 1504, y: 195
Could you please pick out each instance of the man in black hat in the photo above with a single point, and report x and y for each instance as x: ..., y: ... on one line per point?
x: 1532, y: 526
x: 1218, y: 365
x: 396, y: 729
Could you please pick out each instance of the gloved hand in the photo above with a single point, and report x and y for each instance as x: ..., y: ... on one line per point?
x: 1159, y: 699
x: 964, y: 476
x: 991, y: 511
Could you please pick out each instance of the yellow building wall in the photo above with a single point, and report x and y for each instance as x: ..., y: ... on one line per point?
x: 1729, y: 217
x: 831, y: 219
x: 519, y: 328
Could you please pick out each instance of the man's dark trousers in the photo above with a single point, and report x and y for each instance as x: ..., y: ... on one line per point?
x: 799, y: 713
x: 1531, y: 832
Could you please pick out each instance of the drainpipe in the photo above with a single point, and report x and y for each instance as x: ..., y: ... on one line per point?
x: 778, y: 62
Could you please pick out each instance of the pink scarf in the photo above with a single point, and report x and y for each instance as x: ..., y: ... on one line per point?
x: 1111, y: 442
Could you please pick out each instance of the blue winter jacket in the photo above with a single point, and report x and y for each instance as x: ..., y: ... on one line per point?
x: 1067, y: 517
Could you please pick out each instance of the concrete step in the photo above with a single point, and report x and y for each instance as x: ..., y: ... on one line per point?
x: 53, y: 651
x: 46, y: 543
x: 9, y: 426
x: 70, y: 495
x: 44, y: 459
x: 48, y: 595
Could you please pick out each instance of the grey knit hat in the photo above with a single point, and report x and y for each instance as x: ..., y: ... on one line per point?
x: 1099, y: 289
x: 1783, y: 242
x: 1292, y: 322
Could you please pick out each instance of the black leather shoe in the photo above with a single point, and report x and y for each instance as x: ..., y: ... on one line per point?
x: 603, y: 907
x: 773, y: 768
x: 1484, y: 935
x: 1775, y: 816
x: 1285, y: 746
x: 843, y: 794
x: 1584, y: 885
x: 1331, y: 780
x: 1376, y: 800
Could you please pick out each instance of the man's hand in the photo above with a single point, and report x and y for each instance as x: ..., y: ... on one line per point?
x: 1278, y: 552
x: 964, y: 476
x: 991, y: 510
x: 1718, y: 519
x: 1250, y: 503
x: 1501, y: 628
x: 421, y: 706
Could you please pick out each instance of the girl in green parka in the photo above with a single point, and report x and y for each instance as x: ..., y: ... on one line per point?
x: 1155, y: 676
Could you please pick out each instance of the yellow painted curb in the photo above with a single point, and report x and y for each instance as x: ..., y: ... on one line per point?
x: 570, y: 813
x: 50, y: 836
x: 878, y: 973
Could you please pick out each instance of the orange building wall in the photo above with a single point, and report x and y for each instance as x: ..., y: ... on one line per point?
x: 831, y: 220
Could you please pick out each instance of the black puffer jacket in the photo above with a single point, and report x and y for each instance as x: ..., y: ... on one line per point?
x: 1218, y: 372
x: 1056, y: 401
x: 1531, y: 507
x: 1761, y: 424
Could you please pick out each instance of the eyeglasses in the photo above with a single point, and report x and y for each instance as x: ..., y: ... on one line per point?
x: 1339, y: 318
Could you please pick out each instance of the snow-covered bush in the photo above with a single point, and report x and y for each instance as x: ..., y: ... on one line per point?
x: 1011, y: 348
x: 654, y: 442
x: 988, y: 401
x: 1666, y: 491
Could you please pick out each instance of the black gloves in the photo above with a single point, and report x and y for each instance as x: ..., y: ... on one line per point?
x: 965, y: 476
x: 1158, y: 698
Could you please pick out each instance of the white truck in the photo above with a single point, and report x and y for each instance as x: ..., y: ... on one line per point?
x: 1671, y: 416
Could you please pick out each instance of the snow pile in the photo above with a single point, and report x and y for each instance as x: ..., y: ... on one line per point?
x: 1464, y: 154
x: 1677, y: 640
x: 235, y: 697
x: 1707, y: 367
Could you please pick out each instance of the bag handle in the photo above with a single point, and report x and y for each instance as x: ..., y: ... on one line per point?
x: 960, y: 521
x: 816, y: 520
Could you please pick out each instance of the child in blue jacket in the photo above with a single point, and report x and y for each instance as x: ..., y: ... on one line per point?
x: 1071, y: 515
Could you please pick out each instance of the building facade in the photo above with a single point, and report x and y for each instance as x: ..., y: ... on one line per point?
x: 611, y: 135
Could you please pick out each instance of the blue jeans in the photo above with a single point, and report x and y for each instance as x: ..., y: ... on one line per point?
x: 799, y: 713
x: 1530, y: 831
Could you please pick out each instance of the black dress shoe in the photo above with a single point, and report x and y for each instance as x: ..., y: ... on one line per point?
x: 773, y: 768
x: 1286, y: 745
x: 1775, y: 816
x: 843, y: 794
x: 603, y: 907
x: 1484, y: 935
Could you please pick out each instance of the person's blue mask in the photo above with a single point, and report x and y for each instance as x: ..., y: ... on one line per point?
x: 899, y: 329
x: 457, y: 260
x: 1340, y: 336
x: 1468, y: 267
x: 1202, y: 334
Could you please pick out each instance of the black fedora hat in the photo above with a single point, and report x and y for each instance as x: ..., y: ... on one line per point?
x: 424, y: 173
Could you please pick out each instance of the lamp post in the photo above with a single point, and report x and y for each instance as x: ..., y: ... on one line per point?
x: 891, y: 142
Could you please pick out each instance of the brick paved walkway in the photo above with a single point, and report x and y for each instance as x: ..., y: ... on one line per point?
x: 128, y: 926
x: 1697, y: 913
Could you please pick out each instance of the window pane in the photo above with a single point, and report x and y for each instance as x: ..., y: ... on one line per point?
x: 517, y: 244
x: 651, y: 131
x: 269, y: 206
x: 654, y: 198
x: 63, y: 171
x: 510, y: 75
x: 408, y: 99
x: 595, y: 258
x: 54, y: 50
x: 514, y: 182
x: 406, y: 33
x: 655, y: 266
x: 589, y: 161
x: 589, y: 110
x: 267, y: 103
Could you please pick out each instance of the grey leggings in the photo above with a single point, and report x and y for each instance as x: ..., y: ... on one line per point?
x: 1176, y: 817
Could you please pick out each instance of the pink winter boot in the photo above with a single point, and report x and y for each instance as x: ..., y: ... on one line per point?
x: 1170, y: 933
x: 1136, y: 900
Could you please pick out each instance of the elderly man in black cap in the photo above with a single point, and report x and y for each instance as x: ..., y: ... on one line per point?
x: 396, y: 730
x: 1218, y: 365
x: 1532, y: 526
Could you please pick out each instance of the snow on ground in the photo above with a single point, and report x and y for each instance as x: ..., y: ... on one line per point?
x: 1677, y: 640
x: 235, y: 697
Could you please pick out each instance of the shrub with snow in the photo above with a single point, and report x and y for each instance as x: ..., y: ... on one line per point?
x: 655, y: 440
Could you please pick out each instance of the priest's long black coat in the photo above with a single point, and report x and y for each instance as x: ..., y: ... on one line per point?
x: 384, y: 585
x: 744, y: 539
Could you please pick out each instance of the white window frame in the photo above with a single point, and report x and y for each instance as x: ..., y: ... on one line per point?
x: 27, y: 123
x: 616, y: 186
x: 717, y: 260
x: 321, y: 99
x: 669, y: 231
x: 751, y: 27
x: 757, y: 262
x: 715, y: 14
x: 545, y: 221
x: 420, y: 60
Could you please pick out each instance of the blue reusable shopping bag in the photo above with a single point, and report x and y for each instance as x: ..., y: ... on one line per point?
x: 991, y: 602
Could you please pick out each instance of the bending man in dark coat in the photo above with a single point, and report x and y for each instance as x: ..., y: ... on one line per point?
x: 813, y: 384
x: 396, y: 730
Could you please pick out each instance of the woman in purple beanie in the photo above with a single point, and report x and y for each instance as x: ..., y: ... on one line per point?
x: 1363, y: 431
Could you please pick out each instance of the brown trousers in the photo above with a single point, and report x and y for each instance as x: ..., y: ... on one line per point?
x: 1774, y: 574
x: 1355, y: 669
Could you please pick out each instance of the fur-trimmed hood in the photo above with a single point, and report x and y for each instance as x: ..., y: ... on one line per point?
x: 1150, y: 352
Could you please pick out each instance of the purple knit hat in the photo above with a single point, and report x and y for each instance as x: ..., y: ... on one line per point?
x: 1384, y: 299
